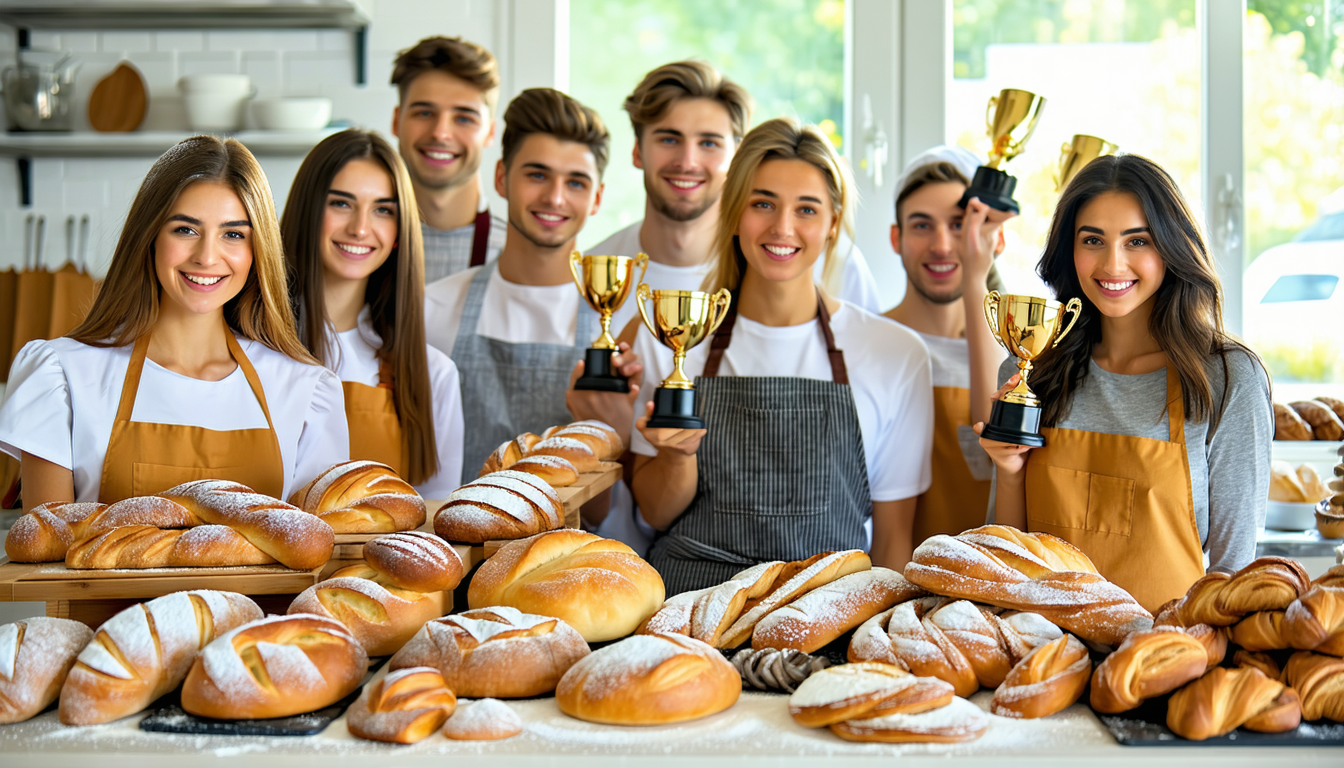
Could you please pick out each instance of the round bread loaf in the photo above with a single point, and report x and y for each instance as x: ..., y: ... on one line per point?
x: 598, y: 586
x: 402, y: 708
x: 483, y: 720
x: 274, y: 667
x: 649, y: 680
x: 497, y: 651
x: 382, y: 619
x: 36, y: 654
x: 501, y: 505
x: 362, y: 497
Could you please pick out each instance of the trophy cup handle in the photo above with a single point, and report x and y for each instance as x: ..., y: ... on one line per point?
x: 642, y: 264
x: 1076, y: 307
x: 642, y: 295
x: 992, y: 316
x: 721, y: 302
x: 989, y: 123
x: 1058, y: 173
x: 574, y: 259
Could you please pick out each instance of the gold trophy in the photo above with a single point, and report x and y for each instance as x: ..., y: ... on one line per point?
x: 1076, y: 154
x: 1014, y: 119
x: 604, y: 282
x: 1027, y: 327
x: 681, y: 319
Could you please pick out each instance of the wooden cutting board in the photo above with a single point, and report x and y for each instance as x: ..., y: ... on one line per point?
x: 119, y: 101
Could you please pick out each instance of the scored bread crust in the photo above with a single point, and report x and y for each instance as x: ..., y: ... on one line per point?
x: 501, y: 505
x: 495, y: 652
x: 382, y: 619
x: 414, y: 560
x: 649, y: 680
x: 293, y: 537
x: 792, y: 583
x: 556, y: 471
x: 36, y: 655
x: 505, y: 456
x: 571, y: 448
x: 829, y: 611
x: 1051, y: 678
x: 403, y: 707
x: 864, y: 689
x: 362, y: 497
x: 600, y: 587
x: 47, y: 532
x: 140, y: 546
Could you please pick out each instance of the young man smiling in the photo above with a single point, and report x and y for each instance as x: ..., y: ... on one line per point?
x: 444, y: 120
x: 515, y: 326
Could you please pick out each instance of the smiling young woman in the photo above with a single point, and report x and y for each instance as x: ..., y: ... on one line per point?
x: 1158, y: 422
x: 818, y: 413
x: 192, y: 319
x: 356, y: 281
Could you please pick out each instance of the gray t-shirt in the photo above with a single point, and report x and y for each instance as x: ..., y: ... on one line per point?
x: 1229, y: 473
x: 448, y: 251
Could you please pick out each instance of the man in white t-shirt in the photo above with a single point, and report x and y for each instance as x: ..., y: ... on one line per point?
x: 515, y: 326
x: 448, y: 89
x: 948, y: 254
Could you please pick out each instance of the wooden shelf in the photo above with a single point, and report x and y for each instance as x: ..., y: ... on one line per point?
x: 148, y: 143
x: 195, y: 14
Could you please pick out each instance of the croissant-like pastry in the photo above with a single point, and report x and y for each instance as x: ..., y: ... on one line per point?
x: 1331, y: 578
x: 1219, y: 600
x: 1214, y: 640
x: 1315, y: 621
x: 1226, y: 699
x: 1147, y: 664
x: 1261, y: 631
x: 1048, y: 680
x: 1319, y: 681
x: 1261, y: 661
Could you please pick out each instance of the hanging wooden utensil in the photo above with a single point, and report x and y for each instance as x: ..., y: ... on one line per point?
x: 73, y: 290
x: 119, y: 101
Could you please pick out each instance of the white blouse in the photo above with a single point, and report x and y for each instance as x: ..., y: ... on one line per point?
x: 357, y: 361
x: 62, y: 400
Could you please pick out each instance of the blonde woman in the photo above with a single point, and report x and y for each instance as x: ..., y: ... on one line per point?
x: 356, y: 269
x: 188, y: 366
x: 818, y: 413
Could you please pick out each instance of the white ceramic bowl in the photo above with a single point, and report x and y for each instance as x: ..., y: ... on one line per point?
x: 213, y: 112
x: 301, y: 114
x: 1290, y: 516
x: 222, y: 85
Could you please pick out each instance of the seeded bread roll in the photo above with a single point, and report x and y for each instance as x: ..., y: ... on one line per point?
x: 362, y: 497
x: 402, y: 708
x: 501, y: 505
x: 382, y: 619
x: 36, y: 654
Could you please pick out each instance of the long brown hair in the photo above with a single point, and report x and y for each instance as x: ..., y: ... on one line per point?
x: 395, y: 293
x: 782, y: 138
x: 1187, y: 318
x: 127, y: 305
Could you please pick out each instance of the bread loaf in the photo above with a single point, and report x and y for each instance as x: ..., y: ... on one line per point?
x: 497, y: 652
x: 674, y: 617
x: 1333, y: 404
x: 274, y: 667
x: 381, y: 618
x: 1289, y: 425
x: 483, y: 720
x: 1035, y: 572
x: 571, y: 449
x: 402, y: 708
x: 1325, y: 425
x: 139, y: 546
x: 557, y: 472
x: 1214, y: 640
x: 715, y: 609
x: 1319, y: 682
x: 599, y: 587
x: 1226, y: 699
x: 362, y: 497
x: 36, y: 654
x: 47, y: 533
x: 504, y: 457
x: 953, y: 640
x: 602, y: 439
x: 829, y: 611
x: 145, y: 651
x: 865, y: 689
x: 294, y: 538
x: 1261, y: 631
x: 649, y: 680
x: 1266, y: 584
x: 414, y: 560
x: 1315, y: 621
x: 957, y: 722
x: 1050, y: 678
x: 794, y: 581
x: 502, y: 505
x: 1147, y: 664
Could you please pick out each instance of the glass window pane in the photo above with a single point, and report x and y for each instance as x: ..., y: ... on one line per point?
x: 789, y: 54
x: 1125, y: 70
x: 1294, y: 132
x: 1301, y: 288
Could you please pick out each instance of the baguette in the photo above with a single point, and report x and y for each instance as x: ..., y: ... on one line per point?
x: 829, y: 611
x: 36, y: 655
x: 362, y: 497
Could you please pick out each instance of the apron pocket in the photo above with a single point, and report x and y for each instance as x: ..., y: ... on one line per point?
x: 150, y: 479
x: 1070, y: 488
x: 1110, y: 504
x: 1086, y: 501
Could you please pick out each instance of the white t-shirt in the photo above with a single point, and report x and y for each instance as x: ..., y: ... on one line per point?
x: 857, y: 284
x: 357, y: 361
x: 63, y: 395
x: 889, y: 374
x: 513, y: 313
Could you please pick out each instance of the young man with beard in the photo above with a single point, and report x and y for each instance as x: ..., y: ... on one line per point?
x: 515, y: 326
x: 948, y: 254
x: 445, y: 118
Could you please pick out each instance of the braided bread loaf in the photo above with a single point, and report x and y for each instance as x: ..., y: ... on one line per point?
x: 1261, y: 631
x: 1226, y: 699
x: 294, y: 538
x: 47, y: 533
x: 501, y: 505
x: 402, y: 708
x: 1220, y: 600
x: 1319, y: 681
x: 965, y: 644
x: 1048, y: 680
x: 362, y: 497
x: 140, y: 546
x: 36, y: 655
x: 1315, y: 621
x: 145, y: 651
x: 1147, y: 664
x: 1035, y: 572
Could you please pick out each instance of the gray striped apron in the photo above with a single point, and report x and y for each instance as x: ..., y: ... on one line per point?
x: 509, y: 389
x: 782, y: 474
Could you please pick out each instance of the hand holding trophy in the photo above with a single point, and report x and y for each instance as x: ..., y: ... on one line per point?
x: 604, y: 282
x: 1027, y: 327
x: 681, y: 319
x: 1014, y: 119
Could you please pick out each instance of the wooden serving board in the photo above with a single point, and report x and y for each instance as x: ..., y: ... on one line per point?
x: 119, y: 101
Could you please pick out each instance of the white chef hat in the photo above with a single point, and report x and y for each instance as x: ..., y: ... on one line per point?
x: 964, y: 159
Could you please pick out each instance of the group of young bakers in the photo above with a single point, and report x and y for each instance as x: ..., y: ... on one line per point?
x: 227, y: 344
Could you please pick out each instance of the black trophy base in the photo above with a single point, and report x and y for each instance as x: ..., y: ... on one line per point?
x: 1014, y: 423
x: 598, y: 374
x: 674, y: 408
x: 994, y: 188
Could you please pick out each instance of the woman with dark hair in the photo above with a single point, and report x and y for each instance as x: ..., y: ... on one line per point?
x: 1157, y: 422
x: 192, y: 321
x: 356, y: 281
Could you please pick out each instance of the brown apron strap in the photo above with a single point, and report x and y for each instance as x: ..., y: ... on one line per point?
x: 480, y: 238
x: 251, y: 374
x: 1175, y: 405
x: 724, y: 336
x: 131, y: 385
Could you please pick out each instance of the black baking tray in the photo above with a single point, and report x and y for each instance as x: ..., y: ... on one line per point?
x: 1146, y: 726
